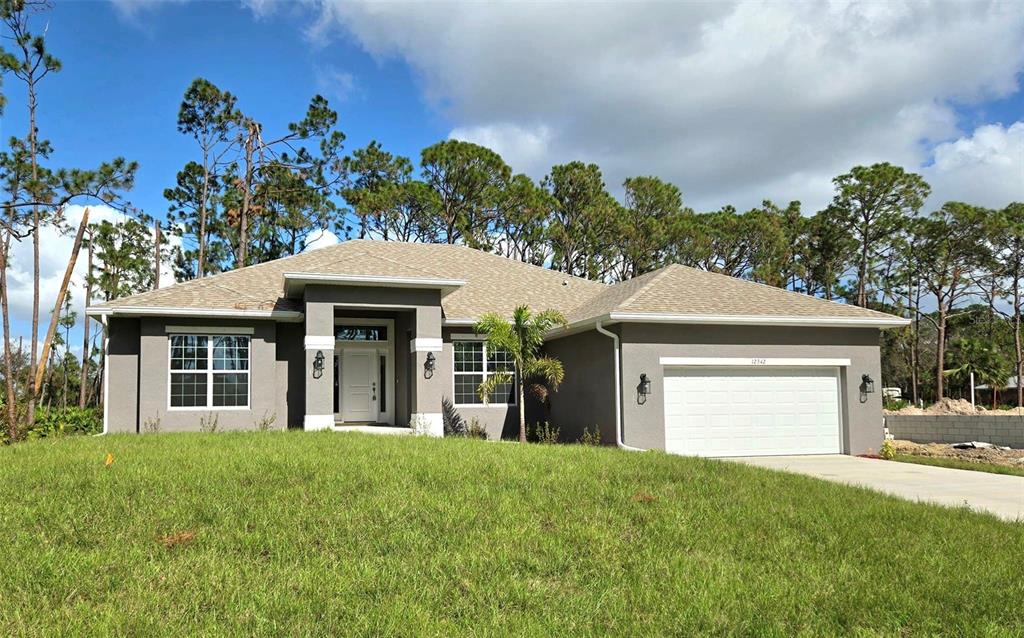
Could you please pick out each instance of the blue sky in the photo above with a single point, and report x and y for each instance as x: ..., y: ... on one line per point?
x: 124, y: 76
x: 732, y: 101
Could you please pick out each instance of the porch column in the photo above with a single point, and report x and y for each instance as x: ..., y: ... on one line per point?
x: 319, y: 340
x: 427, y: 388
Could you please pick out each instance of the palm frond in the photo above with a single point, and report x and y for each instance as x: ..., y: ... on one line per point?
x: 491, y: 384
x: 546, y: 368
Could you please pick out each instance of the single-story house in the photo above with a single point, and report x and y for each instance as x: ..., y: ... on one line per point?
x: 381, y: 333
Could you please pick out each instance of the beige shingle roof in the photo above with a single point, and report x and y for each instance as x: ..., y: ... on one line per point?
x: 496, y: 284
x: 681, y: 290
x: 493, y: 283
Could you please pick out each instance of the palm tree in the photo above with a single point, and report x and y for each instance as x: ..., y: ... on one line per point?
x: 522, y: 338
x: 974, y: 356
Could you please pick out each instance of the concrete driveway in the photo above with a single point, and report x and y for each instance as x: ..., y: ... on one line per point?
x: 998, y: 494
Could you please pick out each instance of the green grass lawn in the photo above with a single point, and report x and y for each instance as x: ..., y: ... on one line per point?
x: 299, y: 534
x: 960, y: 464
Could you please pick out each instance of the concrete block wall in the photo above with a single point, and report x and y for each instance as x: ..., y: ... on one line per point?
x: 954, y: 428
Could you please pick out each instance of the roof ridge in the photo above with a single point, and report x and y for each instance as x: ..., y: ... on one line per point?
x: 655, y: 275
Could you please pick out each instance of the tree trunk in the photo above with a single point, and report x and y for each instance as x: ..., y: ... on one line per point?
x: 156, y: 255
x: 1018, y: 347
x: 30, y: 415
x: 60, y: 297
x: 522, y: 413
x: 862, y: 270
x: 243, y: 217
x: 12, y: 397
x: 940, y: 355
x: 201, y: 264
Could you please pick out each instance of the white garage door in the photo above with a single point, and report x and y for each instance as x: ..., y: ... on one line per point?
x: 746, y: 411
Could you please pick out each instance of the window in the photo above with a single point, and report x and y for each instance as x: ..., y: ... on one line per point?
x: 474, y: 362
x: 209, y: 371
x: 361, y: 333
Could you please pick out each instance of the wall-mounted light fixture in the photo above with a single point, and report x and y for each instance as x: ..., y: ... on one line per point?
x: 429, y: 365
x: 318, y: 364
x: 867, y: 384
x: 645, y: 384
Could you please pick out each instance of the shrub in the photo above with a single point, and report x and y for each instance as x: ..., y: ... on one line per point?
x: 62, y: 421
x: 475, y: 430
x: 545, y: 433
x: 591, y: 436
x: 888, y: 450
x: 894, y: 404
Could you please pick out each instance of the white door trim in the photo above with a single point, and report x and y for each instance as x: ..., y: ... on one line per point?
x: 386, y: 348
x: 755, y: 362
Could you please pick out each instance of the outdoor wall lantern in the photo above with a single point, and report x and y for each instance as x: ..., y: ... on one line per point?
x: 867, y: 384
x: 429, y: 365
x: 645, y: 384
x: 318, y: 364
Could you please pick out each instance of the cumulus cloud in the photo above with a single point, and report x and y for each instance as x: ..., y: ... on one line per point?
x: 733, y: 102
x: 55, y: 248
x: 985, y: 168
x: 319, y: 239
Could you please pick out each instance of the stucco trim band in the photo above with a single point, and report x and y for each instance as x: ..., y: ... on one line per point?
x: 756, y: 362
x: 426, y: 344
x: 319, y: 342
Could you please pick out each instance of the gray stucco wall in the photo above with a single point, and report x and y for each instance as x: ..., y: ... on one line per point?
x: 291, y: 393
x: 122, y: 375
x: 267, y: 398
x: 955, y: 428
x: 586, y: 397
x: 644, y: 344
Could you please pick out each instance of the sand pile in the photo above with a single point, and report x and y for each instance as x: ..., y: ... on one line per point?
x: 1010, y: 458
x: 955, y: 406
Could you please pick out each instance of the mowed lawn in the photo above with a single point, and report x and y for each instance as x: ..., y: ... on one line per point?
x: 301, y: 534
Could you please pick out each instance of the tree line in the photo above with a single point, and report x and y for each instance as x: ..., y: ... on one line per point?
x: 254, y: 191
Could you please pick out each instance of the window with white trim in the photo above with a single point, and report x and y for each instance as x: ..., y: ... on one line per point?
x: 474, y: 362
x: 209, y: 371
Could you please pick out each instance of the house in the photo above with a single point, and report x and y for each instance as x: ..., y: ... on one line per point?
x: 374, y: 332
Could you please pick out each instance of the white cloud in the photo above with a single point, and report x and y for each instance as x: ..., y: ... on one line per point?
x: 54, y: 249
x: 335, y: 83
x: 130, y: 10
x: 986, y: 168
x: 733, y: 102
x: 526, y: 149
x: 319, y: 239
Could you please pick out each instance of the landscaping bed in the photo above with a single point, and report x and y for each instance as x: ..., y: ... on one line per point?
x: 310, y: 534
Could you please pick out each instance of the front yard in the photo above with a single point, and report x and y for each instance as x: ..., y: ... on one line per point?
x: 299, y: 534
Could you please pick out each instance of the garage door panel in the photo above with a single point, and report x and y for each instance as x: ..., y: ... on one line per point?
x: 752, y: 411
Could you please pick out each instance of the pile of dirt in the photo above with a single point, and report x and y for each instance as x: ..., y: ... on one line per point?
x: 955, y: 406
x: 994, y: 455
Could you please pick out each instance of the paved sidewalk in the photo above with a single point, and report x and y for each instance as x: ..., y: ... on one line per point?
x: 998, y: 494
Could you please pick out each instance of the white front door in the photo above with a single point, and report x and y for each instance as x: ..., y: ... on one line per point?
x: 752, y: 411
x: 358, y: 385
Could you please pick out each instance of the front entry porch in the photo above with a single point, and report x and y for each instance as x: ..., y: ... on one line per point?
x: 368, y: 359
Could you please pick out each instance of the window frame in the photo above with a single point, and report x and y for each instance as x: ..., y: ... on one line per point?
x: 210, y: 372
x: 486, y: 373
